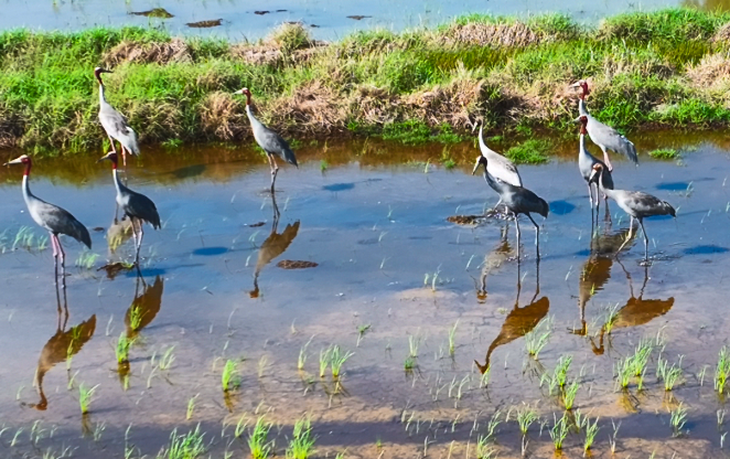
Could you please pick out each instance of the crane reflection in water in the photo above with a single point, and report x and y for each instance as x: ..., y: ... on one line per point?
x: 520, y: 320
x: 61, y: 347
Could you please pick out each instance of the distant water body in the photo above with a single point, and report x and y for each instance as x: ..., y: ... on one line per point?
x: 328, y: 19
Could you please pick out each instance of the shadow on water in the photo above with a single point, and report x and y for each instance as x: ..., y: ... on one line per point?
x: 62, y: 346
x: 521, y: 320
x: 273, y: 246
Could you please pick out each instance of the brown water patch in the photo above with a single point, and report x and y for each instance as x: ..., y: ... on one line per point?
x: 296, y: 264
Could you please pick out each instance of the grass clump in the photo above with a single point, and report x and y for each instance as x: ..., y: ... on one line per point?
x: 664, y: 153
x: 85, y: 396
x: 258, y: 442
x: 532, y: 151
x: 722, y: 371
x: 184, y: 446
x: 301, y: 446
x: 230, y: 379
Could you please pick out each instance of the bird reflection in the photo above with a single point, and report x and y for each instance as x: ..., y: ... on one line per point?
x: 145, y: 306
x: 596, y: 271
x: 119, y: 232
x: 519, y: 321
x: 637, y: 311
x: 63, y: 345
x: 492, y: 261
x: 273, y: 246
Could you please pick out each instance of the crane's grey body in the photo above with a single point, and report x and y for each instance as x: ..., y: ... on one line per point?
x: 54, y: 219
x: 607, y: 138
x: 272, y: 143
x: 586, y: 161
x: 138, y: 207
x: 518, y: 200
x: 115, y: 124
x: 637, y: 204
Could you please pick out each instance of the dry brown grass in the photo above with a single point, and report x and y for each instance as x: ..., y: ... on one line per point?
x: 11, y: 129
x: 374, y: 106
x: 495, y: 35
x: 313, y: 109
x: 712, y: 71
x: 265, y: 54
x: 455, y: 103
x: 222, y: 117
x: 174, y: 51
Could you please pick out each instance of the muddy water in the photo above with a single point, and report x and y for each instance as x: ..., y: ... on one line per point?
x: 328, y: 19
x: 374, y: 222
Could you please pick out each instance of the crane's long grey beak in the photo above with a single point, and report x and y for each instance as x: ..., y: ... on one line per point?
x: 476, y: 166
x: 15, y: 161
x: 240, y: 91
x: 575, y: 85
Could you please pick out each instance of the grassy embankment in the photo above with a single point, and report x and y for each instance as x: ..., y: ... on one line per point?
x: 666, y: 68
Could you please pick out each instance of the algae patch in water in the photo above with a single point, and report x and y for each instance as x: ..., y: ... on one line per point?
x: 204, y: 24
x: 160, y: 13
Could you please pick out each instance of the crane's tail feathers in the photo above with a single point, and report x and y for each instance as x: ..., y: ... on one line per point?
x: 290, y: 158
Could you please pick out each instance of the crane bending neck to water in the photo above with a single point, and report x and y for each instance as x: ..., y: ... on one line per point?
x: 271, y: 142
x: 52, y: 218
x: 138, y: 207
x: 518, y: 200
x: 635, y: 203
x: 115, y: 124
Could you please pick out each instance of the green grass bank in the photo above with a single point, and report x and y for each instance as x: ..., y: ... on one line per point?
x: 665, y: 68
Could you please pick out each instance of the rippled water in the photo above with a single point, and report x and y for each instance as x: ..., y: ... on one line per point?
x: 391, y: 273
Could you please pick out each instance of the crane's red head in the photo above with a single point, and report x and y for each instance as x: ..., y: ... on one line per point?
x: 583, y: 123
x: 22, y: 159
x: 111, y: 156
x: 98, y: 71
x: 246, y: 93
x: 583, y: 84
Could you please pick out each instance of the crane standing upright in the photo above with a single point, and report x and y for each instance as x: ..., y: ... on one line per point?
x: 586, y: 161
x: 115, y: 124
x: 271, y: 142
x: 138, y: 207
x: 499, y: 166
x: 52, y: 218
x: 606, y: 137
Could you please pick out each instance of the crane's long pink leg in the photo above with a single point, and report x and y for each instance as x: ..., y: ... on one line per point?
x: 537, y: 235
x: 111, y: 141
x: 274, y: 171
x: 55, y: 258
x: 139, y: 246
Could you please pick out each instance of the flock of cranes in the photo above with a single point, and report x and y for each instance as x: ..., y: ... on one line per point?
x: 499, y: 172
x: 502, y: 176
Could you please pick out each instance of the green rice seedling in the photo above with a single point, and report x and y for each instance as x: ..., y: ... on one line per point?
x: 230, y: 380
x: 669, y: 374
x: 85, y: 397
x: 362, y: 329
x: 611, y: 319
x: 301, y: 445
x: 263, y: 361
x: 337, y: 359
x: 452, y: 341
x: 185, y: 446
x: 258, y: 442
x: 413, y: 344
x: 23, y: 238
x: 526, y: 415
x: 135, y: 317
x: 324, y: 361
x: 485, y: 449
x: 677, y: 419
x: 722, y: 371
x: 86, y: 260
x: 569, y: 395
x: 613, y: 438
x: 641, y: 357
x: 559, y: 431
x: 122, y: 349
x: 168, y: 357
x: 590, y: 430
x: 561, y: 370
x: 538, y: 338
x: 492, y: 425
x: 623, y: 370
x: 720, y: 417
x: 191, y: 407
x: 409, y: 364
x: 323, y: 165
x: 302, y: 357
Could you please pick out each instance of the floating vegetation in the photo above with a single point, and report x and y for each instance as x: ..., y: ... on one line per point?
x: 204, y: 24
x: 664, y: 153
x: 160, y: 13
x: 296, y: 264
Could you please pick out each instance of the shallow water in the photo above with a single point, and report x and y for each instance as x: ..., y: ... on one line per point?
x: 328, y: 19
x: 375, y: 223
